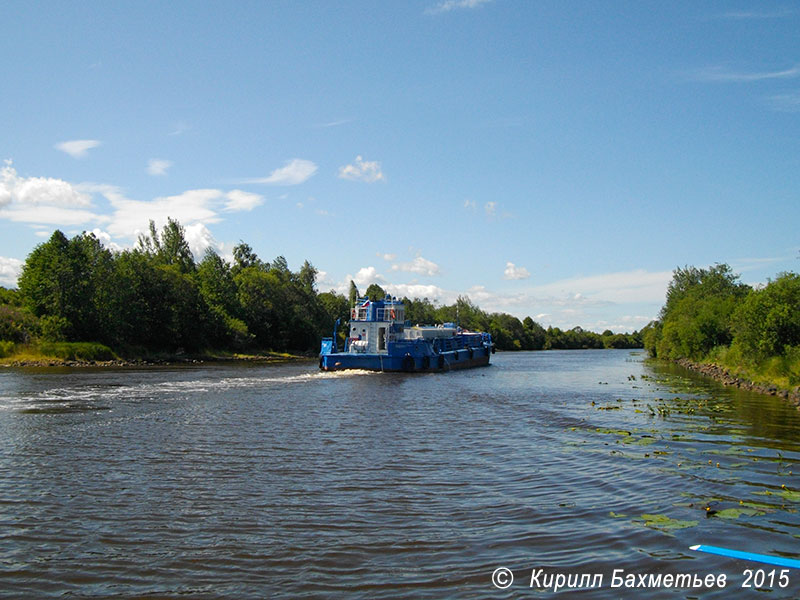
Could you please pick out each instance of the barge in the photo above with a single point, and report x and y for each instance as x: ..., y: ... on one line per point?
x: 380, y: 339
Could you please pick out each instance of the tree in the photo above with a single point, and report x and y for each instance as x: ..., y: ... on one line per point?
x: 256, y: 294
x: 216, y: 283
x: 421, y: 312
x: 308, y: 277
x: 335, y: 307
x: 217, y: 287
x: 353, y: 295
x: 169, y: 248
x: 160, y: 307
x: 73, y: 281
x: 375, y: 292
x: 534, y: 333
x: 697, y: 314
x: 243, y: 257
x: 767, y: 322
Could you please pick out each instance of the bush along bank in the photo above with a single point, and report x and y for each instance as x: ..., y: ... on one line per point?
x: 743, y: 336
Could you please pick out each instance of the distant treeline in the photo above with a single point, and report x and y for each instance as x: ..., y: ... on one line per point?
x: 710, y: 316
x: 509, y: 333
x: 155, y: 298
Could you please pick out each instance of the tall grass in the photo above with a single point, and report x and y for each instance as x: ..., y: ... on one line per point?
x: 76, y: 350
x: 782, y: 370
x: 6, y: 349
x: 84, y: 351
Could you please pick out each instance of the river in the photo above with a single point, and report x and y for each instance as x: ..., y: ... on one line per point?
x: 254, y: 481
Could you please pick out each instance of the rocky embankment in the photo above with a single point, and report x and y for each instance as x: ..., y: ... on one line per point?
x: 727, y: 378
x: 152, y: 362
x: 57, y: 362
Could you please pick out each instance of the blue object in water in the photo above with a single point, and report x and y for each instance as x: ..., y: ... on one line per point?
x: 762, y: 558
x: 379, y: 339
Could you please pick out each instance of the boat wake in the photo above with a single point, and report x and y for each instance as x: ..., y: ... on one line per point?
x: 103, y: 397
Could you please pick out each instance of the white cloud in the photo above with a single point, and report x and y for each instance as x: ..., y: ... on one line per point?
x: 105, y: 238
x: 132, y: 217
x: 415, y: 290
x: 419, y: 265
x: 38, y: 191
x: 200, y: 239
x: 180, y: 128
x: 51, y: 215
x: 470, y: 204
x: 613, y: 301
x: 387, y: 257
x: 724, y: 75
x: 598, y: 302
x: 294, y: 172
x: 623, y: 287
x: 77, y: 148
x: 362, y: 170
x: 48, y: 201
x: 743, y: 265
x: 335, y: 123
x: 158, y: 166
x: 490, y: 208
x: 10, y: 269
x: 43, y: 200
x: 789, y: 103
x: 367, y: 276
x: 237, y: 200
x: 757, y: 15
x: 514, y: 272
x: 449, y: 5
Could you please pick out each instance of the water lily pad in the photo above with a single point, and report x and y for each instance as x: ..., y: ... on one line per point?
x: 735, y: 513
x: 664, y: 523
x: 790, y: 495
x: 757, y: 505
x: 621, y: 432
x: 642, y: 441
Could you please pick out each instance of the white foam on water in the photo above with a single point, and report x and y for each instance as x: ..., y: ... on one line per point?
x: 100, y: 395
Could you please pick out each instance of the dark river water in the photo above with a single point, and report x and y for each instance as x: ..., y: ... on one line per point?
x: 280, y: 481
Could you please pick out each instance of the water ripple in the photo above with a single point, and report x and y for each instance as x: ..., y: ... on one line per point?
x: 248, y: 482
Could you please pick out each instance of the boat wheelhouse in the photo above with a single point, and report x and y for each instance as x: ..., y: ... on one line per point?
x: 380, y: 339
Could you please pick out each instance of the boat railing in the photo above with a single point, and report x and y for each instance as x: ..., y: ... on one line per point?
x: 391, y: 314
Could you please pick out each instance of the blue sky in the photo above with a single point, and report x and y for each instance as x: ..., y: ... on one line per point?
x: 552, y: 159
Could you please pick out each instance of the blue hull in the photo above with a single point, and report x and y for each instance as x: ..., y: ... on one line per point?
x: 444, y: 361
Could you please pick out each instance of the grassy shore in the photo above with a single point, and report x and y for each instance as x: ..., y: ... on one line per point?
x: 775, y: 376
x: 90, y: 354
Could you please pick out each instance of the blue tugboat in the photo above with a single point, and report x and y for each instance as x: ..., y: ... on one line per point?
x: 380, y: 339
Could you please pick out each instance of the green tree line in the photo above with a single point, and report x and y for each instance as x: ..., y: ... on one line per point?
x: 709, y: 315
x: 508, y: 332
x: 156, y: 298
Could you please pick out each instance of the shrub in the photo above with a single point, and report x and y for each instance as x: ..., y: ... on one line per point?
x: 768, y: 321
x: 6, y: 349
x: 54, y: 328
x: 76, y: 350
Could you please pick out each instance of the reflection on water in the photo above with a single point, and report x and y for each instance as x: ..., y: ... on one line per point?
x: 280, y: 481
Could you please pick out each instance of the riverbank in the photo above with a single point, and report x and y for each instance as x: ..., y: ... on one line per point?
x: 727, y: 377
x: 160, y: 361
